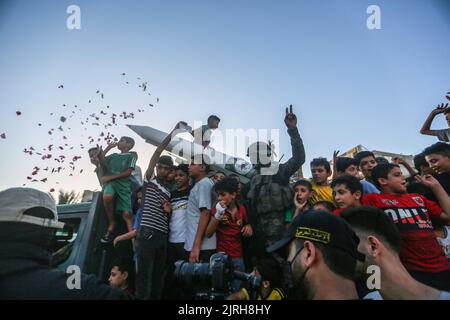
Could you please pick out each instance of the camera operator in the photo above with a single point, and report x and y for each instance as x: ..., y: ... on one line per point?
x: 322, y: 256
x: 270, y: 272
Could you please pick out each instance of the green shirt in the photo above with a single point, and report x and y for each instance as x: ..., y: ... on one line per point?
x: 288, y: 215
x: 120, y: 162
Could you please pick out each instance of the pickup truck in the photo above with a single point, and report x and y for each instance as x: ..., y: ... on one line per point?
x: 79, y: 242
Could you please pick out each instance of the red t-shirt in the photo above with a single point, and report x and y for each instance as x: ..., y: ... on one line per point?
x: 338, y: 212
x: 229, y: 236
x: 412, y: 214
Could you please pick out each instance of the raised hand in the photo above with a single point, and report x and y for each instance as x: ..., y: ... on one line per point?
x: 335, y: 154
x: 448, y: 95
x: 298, y: 205
x: 220, y: 210
x: 180, y: 125
x: 440, y: 108
x: 398, y: 160
x: 290, y: 119
x: 99, y: 151
x: 428, y: 181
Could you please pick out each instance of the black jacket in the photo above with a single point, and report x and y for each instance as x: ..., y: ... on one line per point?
x: 25, y: 274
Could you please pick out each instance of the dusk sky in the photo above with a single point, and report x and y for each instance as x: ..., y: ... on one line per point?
x: 244, y: 61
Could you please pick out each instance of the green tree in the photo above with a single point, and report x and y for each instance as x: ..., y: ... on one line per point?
x: 68, y: 197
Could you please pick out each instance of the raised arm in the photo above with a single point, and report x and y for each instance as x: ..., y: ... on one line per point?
x: 439, y: 192
x: 335, y: 156
x: 214, y: 221
x: 108, y: 148
x: 398, y: 161
x: 426, y: 128
x: 286, y: 170
x: 160, y: 149
x: 102, y: 154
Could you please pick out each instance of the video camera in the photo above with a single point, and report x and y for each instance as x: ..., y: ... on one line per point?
x: 213, y: 280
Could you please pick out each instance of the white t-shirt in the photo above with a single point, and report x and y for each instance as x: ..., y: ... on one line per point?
x: 199, y: 197
x: 179, y: 201
x: 445, y: 242
x: 444, y: 135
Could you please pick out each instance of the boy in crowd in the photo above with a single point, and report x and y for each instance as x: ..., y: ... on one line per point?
x: 179, y: 202
x: 229, y: 221
x: 131, y: 235
x: 438, y: 158
x: 270, y: 272
x: 117, y: 184
x: 400, y: 161
x: 152, y: 238
x: 120, y: 276
x: 421, y: 165
x: 381, y: 242
x: 219, y: 175
x: 413, y: 215
x: 381, y: 160
x: 443, y: 134
x: 324, y: 205
x: 171, y: 180
x: 321, y: 171
x: 366, y: 162
x: 302, y: 195
x: 202, y: 135
x: 349, y: 166
x: 199, y: 247
x: 347, y: 193
x: 93, y: 156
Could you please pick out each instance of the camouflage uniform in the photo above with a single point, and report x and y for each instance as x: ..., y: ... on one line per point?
x: 270, y: 196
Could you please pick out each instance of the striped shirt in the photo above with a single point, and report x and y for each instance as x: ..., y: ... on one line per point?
x: 153, y: 215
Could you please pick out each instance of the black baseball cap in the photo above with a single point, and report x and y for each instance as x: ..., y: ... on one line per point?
x: 321, y: 227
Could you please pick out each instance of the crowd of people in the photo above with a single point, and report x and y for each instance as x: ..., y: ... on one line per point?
x: 309, y: 239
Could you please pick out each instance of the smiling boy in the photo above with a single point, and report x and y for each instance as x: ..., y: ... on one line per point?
x: 413, y: 215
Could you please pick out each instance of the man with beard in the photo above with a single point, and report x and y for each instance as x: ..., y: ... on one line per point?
x: 269, y: 192
x: 322, y: 253
x: 381, y: 242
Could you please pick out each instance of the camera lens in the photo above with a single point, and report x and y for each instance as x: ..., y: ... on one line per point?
x: 192, y: 273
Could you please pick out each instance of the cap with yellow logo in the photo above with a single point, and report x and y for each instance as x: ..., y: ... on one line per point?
x: 321, y: 227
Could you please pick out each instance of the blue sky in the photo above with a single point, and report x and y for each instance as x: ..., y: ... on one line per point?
x: 242, y: 60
